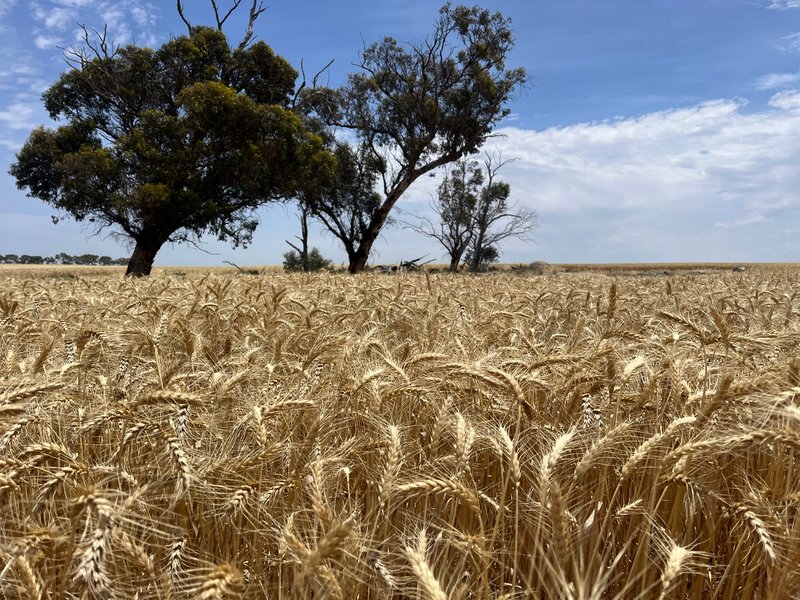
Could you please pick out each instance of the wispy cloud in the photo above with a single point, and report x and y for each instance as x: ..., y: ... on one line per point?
x: 18, y: 66
x: 6, y: 6
x: 18, y: 115
x: 790, y: 43
x: 774, y: 81
x: 743, y: 222
x: 668, y: 185
x: 144, y: 15
x: 56, y: 18
x: 10, y: 145
x: 75, y: 3
x: 127, y: 20
x: 784, y: 4
x: 47, y: 42
x: 786, y: 100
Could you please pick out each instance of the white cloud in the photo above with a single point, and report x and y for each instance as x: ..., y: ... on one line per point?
x: 743, y: 222
x: 11, y: 145
x: 19, y: 66
x: 144, y: 16
x: 75, y: 3
x: 127, y: 20
x: 790, y: 43
x: 784, y: 4
x: 680, y: 184
x: 56, y: 18
x: 786, y: 100
x: 20, y: 74
x: 6, y: 6
x: 46, y: 42
x: 773, y: 81
x: 18, y: 115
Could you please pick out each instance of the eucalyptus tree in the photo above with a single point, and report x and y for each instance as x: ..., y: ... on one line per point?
x: 170, y: 144
x: 413, y: 108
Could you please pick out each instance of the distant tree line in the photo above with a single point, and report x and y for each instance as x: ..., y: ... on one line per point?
x: 62, y: 259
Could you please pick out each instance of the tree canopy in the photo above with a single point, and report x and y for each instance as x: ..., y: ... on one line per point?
x: 170, y: 144
x: 346, y: 204
x: 416, y: 107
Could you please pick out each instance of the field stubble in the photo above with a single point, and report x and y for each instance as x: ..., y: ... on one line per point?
x: 416, y: 436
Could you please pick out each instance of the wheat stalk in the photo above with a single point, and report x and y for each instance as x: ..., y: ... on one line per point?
x: 427, y: 581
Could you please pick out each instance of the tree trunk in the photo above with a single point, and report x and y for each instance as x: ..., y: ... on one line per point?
x: 477, y: 254
x: 304, y: 237
x: 144, y: 253
x: 454, y: 263
x: 358, y: 259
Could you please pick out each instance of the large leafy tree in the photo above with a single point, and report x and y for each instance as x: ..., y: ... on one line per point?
x: 167, y: 145
x: 414, y: 108
x: 345, y: 205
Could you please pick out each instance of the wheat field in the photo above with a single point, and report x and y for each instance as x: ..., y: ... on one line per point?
x: 411, y: 436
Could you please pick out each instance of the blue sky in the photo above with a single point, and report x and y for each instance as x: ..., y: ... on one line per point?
x: 652, y: 130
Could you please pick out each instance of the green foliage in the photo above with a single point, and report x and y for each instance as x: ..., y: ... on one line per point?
x: 346, y: 205
x: 61, y: 259
x: 292, y: 261
x: 418, y: 107
x: 436, y: 99
x: 485, y: 256
x: 456, y: 203
x: 171, y: 144
x: 458, y: 193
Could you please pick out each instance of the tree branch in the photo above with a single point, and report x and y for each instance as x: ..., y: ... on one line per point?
x: 314, y: 80
x: 183, y: 17
x: 221, y: 22
x: 295, y: 248
x: 77, y: 59
x: 255, y: 10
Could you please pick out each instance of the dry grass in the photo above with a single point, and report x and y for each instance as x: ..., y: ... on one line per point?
x: 216, y: 436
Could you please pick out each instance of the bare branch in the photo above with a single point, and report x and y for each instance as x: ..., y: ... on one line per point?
x: 221, y: 22
x: 227, y: 262
x: 518, y: 222
x: 99, y: 48
x: 319, y: 73
x: 75, y: 59
x: 216, y: 13
x: 302, y: 85
x: 92, y: 48
x: 183, y: 17
x: 255, y: 11
x: 295, y: 248
x: 493, y: 163
x: 314, y: 80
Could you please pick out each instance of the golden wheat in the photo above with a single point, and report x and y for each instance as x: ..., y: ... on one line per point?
x: 292, y: 436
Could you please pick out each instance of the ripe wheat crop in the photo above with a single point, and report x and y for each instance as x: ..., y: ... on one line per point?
x: 410, y: 436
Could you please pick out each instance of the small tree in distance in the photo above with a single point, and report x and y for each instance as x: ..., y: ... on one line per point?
x: 495, y: 219
x: 454, y: 206
x: 314, y: 261
x: 489, y: 255
x: 170, y: 144
x: 473, y: 214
